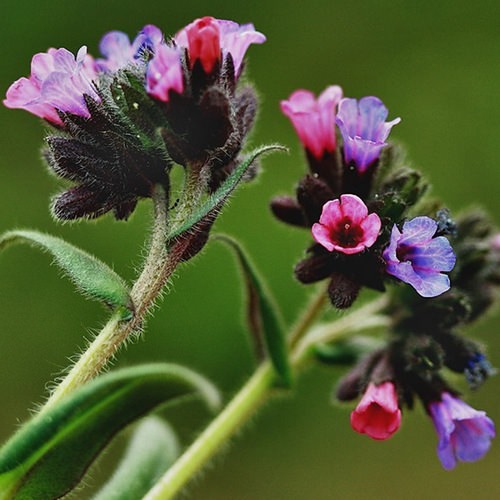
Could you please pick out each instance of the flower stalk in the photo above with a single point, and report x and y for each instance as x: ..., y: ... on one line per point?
x: 158, y: 267
x: 259, y: 388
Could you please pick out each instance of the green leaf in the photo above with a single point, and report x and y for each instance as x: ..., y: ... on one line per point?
x: 48, y: 456
x: 152, y: 450
x: 89, y: 274
x: 208, y: 211
x: 263, y: 315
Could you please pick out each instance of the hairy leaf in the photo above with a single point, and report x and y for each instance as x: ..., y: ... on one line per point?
x: 263, y: 315
x: 48, y: 456
x: 153, y: 448
x: 90, y: 275
x: 208, y: 211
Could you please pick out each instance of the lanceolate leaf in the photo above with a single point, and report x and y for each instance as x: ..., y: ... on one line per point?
x: 263, y: 316
x: 152, y: 450
x: 49, y: 455
x: 90, y: 275
x: 209, y: 210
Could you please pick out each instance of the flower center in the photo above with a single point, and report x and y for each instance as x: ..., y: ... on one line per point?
x: 346, y: 234
x: 402, y: 252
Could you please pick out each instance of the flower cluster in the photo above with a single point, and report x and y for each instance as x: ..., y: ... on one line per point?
x: 121, y: 121
x: 370, y: 228
x: 356, y: 202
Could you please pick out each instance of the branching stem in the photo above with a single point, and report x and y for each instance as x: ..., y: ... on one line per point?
x: 158, y: 267
x: 259, y: 387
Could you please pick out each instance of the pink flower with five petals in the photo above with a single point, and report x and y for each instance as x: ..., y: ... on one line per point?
x: 345, y: 225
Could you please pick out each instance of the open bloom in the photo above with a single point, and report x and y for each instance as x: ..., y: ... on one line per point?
x: 119, y: 52
x: 208, y: 40
x: 58, y: 81
x: 364, y: 130
x: 164, y: 73
x: 377, y: 414
x: 417, y: 258
x: 345, y: 226
x: 464, y: 433
x: 314, y: 119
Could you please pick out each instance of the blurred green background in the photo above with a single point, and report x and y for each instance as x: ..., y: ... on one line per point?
x: 435, y: 64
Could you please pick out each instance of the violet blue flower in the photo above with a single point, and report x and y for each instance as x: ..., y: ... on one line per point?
x: 58, y: 81
x: 165, y: 73
x: 345, y: 226
x: 119, y: 52
x: 377, y: 414
x: 206, y: 37
x: 314, y: 119
x: 417, y: 258
x: 364, y: 130
x: 464, y: 433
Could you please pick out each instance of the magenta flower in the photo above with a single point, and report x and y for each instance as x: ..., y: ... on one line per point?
x: 377, y: 414
x: 58, y: 81
x: 314, y: 119
x: 345, y: 226
x: 165, y: 73
x: 208, y: 39
x: 417, y: 258
x: 464, y: 433
x: 364, y: 130
x: 115, y: 46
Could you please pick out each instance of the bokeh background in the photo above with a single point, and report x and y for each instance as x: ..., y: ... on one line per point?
x: 435, y: 64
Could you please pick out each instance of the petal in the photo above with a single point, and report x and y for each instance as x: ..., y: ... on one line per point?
x: 473, y: 438
x: 300, y: 101
x: 389, y: 254
x: 372, y: 115
x: 418, y: 230
x: 322, y: 235
x: 331, y: 213
x: 352, y: 206
x: 347, y: 117
x: 436, y: 256
x: 371, y: 227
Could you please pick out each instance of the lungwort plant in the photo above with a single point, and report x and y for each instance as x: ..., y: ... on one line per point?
x: 118, y: 127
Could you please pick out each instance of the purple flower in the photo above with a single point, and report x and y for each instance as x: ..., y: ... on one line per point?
x: 464, y: 433
x: 345, y: 226
x: 418, y: 259
x: 206, y: 37
x: 314, y: 119
x: 115, y: 46
x: 58, y: 81
x: 363, y: 129
x: 165, y: 73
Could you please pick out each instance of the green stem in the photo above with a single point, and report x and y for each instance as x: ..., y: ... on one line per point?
x: 158, y: 267
x: 227, y: 422
x: 255, y: 392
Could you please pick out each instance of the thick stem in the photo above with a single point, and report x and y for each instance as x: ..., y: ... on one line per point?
x: 158, y: 267
x: 254, y: 393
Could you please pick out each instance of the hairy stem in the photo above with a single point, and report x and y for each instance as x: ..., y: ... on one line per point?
x: 256, y: 391
x: 158, y: 267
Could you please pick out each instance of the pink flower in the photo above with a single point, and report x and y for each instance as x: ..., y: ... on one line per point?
x: 345, y: 226
x: 58, y: 81
x: 165, y: 73
x: 210, y: 40
x: 203, y: 37
x: 377, y: 414
x: 314, y: 119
